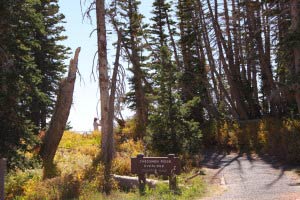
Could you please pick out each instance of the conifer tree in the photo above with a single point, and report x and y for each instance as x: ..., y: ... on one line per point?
x: 19, y: 77
x: 49, y: 57
x: 130, y: 24
x: 169, y: 115
x: 165, y: 120
x: 193, y: 75
x: 31, y: 67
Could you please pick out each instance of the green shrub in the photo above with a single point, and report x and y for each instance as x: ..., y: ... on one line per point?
x: 15, y: 183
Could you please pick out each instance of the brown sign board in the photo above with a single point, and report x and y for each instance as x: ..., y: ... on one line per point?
x: 155, y: 165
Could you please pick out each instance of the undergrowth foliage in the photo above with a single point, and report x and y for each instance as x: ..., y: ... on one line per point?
x: 278, y: 137
x: 77, y: 179
x: 74, y: 178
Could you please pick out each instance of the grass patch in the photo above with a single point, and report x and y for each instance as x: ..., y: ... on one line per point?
x: 193, y: 189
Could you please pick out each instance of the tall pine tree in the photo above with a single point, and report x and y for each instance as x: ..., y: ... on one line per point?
x: 19, y: 77
x: 49, y: 57
x: 129, y: 22
x: 31, y: 66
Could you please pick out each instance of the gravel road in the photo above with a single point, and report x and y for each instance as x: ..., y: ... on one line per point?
x: 248, y: 177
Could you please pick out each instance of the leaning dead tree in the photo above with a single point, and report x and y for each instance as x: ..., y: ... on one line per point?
x: 59, y: 119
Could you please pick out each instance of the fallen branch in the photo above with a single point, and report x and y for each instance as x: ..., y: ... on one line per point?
x: 129, y: 182
x: 193, y: 176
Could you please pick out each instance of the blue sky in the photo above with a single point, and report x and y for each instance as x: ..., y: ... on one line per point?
x: 86, y: 95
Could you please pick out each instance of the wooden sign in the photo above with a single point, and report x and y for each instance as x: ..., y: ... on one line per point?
x: 155, y: 165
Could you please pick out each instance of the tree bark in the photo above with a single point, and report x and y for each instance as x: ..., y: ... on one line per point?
x: 107, y: 136
x: 251, y: 62
x: 231, y: 72
x: 206, y: 98
x: 295, y: 28
x: 212, y: 64
x: 172, y: 41
x: 59, y: 119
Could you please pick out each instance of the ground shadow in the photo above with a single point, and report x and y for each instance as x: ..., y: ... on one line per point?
x: 220, y: 160
x: 275, y: 163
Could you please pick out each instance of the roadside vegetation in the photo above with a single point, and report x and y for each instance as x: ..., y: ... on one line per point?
x: 75, y: 179
x: 272, y: 136
x: 76, y: 152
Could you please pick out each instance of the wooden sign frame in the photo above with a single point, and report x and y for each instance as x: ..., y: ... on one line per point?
x: 169, y: 166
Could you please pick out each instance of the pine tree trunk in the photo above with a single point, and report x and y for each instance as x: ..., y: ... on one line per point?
x: 141, y: 102
x: 59, y: 119
x: 212, y: 64
x: 206, y: 98
x: 171, y: 34
x: 295, y: 28
x: 230, y: 69
x: 251, y: 69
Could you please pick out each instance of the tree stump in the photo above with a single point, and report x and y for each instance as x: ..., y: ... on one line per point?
x: 2, y: 177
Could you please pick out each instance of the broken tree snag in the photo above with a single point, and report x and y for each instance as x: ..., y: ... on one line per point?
x: 59, y: 118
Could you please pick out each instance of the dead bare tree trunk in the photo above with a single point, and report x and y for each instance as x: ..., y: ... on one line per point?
x: 107, y: 102
x: 110, y: 138
x: 207, y: 101
x: 103, y: 70
x: 59, y: 119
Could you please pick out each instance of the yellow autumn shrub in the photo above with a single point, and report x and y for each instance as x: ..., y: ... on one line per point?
x: 126, y: 150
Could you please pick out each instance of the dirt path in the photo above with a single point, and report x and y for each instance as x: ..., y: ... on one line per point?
x: 248, y: 177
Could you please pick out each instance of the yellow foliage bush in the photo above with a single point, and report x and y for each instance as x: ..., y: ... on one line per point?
x: 126, y: 150
x: 77, y: 178
x: 65, y: 187
x: 280, y: 137
x: 227, y: 135
x: 130, y: 128
x: 72, y: 140
x: 121, y: 165
x: 131, y: 147
x: 15, y: 183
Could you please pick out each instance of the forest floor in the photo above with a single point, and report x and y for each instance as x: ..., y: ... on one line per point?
x: 250, y: 177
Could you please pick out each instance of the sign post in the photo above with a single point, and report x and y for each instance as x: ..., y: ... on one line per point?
x: 169, y: 166
x: 2, y: 176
